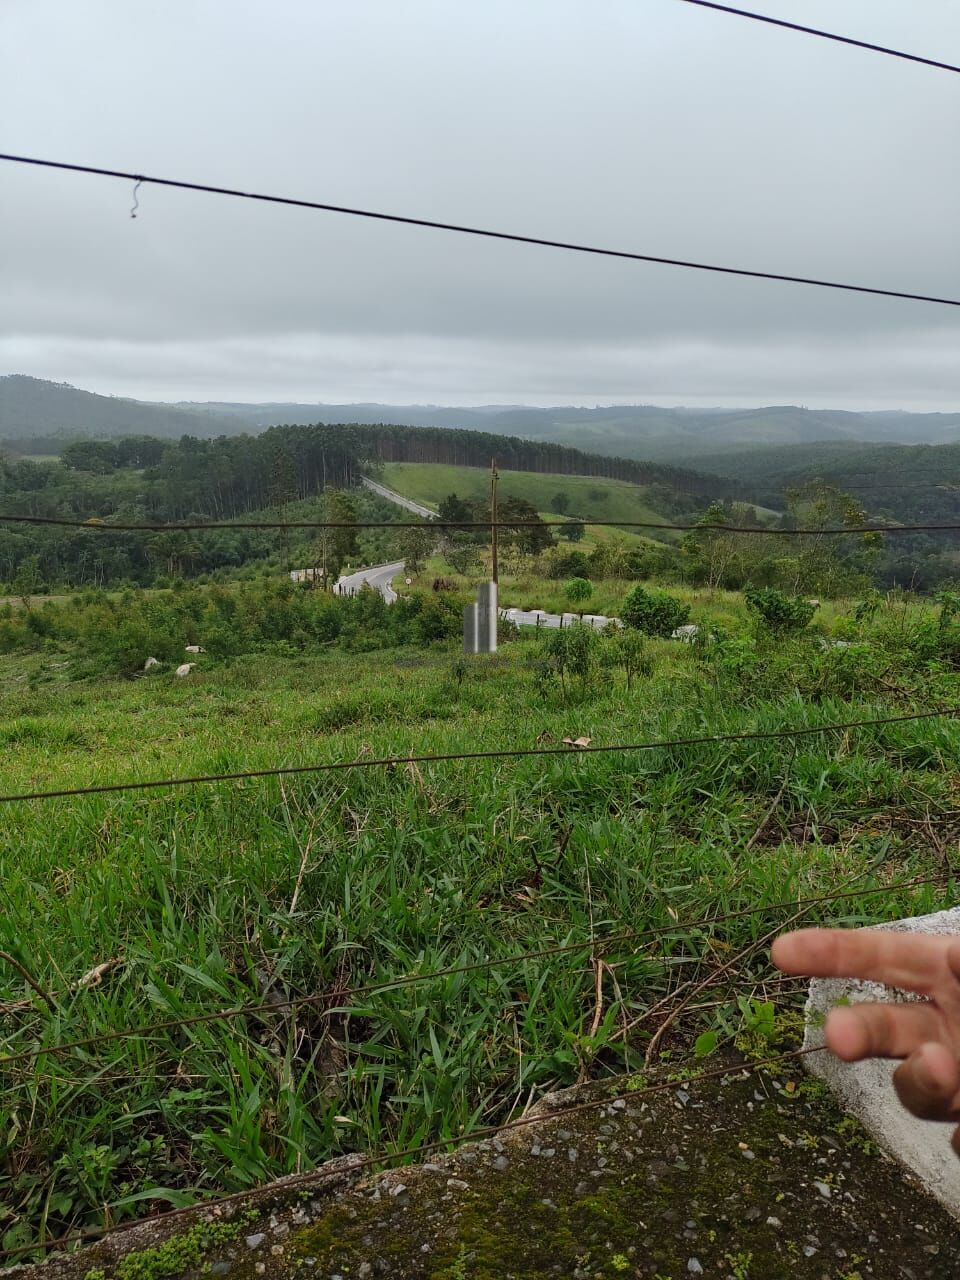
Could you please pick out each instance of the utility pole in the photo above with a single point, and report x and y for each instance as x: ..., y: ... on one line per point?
x: 494, y: 564
x: 480, y: 619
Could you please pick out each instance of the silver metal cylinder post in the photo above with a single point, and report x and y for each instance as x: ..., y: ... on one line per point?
x: 471, y: 628
x: 487, y: 617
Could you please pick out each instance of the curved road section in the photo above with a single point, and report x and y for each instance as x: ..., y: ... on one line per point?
x: 398, y: 499
x: 379, y: 578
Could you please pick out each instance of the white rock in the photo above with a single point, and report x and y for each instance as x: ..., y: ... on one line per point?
x: 151, y: 662
x: 185, y: 668
x: 865, y: 1088
x: 686, y: 633
x: 194, y: 648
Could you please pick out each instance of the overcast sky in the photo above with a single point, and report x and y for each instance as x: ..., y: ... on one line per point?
x: 648, y: 125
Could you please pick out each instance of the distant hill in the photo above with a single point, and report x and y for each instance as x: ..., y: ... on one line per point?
x: 915, y: 484
x: 631, y: 431
x: 33, y: 409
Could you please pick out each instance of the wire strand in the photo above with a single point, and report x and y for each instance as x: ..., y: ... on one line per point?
x: 485, y: 233
x: 99, y: 524
x: 825, y: 35
x: 336, y: 998
x: 284, y: 771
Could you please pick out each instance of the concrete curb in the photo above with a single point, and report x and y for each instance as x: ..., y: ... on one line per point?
x: 865, y: 1089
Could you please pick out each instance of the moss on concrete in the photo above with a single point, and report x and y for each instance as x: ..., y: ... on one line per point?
x: 752, y: 1178
x: 748, y: 1179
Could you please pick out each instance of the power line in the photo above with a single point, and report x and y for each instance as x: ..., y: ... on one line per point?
x: 498, y: 754
x: 486, y: 233
x: 98, y: 523
x: 337, y: 997
x: 825, y: 35
x: 321, y: 1175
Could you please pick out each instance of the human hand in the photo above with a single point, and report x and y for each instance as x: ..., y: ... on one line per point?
x: 925, y: 1035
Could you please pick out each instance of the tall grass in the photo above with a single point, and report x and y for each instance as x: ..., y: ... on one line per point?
x: 259, y: 891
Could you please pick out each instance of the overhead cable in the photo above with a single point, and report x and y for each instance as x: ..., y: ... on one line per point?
x: 510, y: 753
x: 99, y: 523
x: 335, y: 999
x: 825, y: 35
x: 483, y: 232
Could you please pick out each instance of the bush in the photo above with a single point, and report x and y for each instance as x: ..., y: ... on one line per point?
x: 778, y: 612
x: 568, y: 653
x: 626, y: 649
x: 577, y: 590
x: 572, y: 564
x: 654, y: 612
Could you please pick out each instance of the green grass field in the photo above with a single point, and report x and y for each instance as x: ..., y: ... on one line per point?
x: 590, y: 498
x: 523, y: 588
x: 211, y: 896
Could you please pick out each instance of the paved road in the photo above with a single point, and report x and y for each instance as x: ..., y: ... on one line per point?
x: 379, y: 578
x: 392, y: 496
x: 522, y: 617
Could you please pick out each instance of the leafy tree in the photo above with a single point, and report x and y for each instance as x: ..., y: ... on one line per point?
x: 828, y: 563
x: 710, y: 543
x: 530, y: 535
x: 414, y: 544
x: 461, y: 553
x: 573, y: 531
x: 28, y: 580
x: 98, y: 456
x: 335, y: 546
x: 560, y: 502
x: 568, y: 564
x: 175, y: 550
x: 456, y: 509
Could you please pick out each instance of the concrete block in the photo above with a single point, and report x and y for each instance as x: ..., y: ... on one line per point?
x: 865, y: 1089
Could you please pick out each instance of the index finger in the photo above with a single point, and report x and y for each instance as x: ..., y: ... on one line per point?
x: 910, y: 961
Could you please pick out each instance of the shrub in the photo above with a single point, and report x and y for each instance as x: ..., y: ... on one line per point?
x: 654, y: 612
x: 569, y: 652
x: 626, y: 649
x: 577, y: 590
x: 778, y: 612
x: 572, y: 564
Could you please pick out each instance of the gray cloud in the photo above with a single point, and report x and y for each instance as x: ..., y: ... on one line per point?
x: 653, y: 127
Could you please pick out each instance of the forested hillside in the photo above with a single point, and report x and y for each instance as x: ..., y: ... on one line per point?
x: 32, y: 409
x: 145, y: 479
x: 635, y: 431
x: 229, y: 475
x: 37, y: 414
x: 915, y: 484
